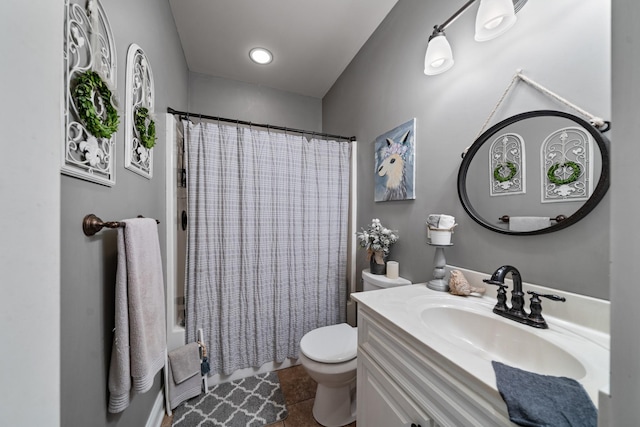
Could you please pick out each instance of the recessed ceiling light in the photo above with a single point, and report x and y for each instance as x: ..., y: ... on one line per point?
x: 260, y: 55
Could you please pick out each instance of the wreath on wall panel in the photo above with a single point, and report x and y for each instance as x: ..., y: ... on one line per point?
x: 93, y: 100
x: 140, y: 125
x: 90, y: 101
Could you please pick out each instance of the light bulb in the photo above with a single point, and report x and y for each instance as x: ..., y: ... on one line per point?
x: 494, y: 23
x: 438, y: 63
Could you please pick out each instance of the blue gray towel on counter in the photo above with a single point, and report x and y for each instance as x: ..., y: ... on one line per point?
x: 544, y: 401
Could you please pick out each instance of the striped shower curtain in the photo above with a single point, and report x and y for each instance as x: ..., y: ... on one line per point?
x: 267, y: 241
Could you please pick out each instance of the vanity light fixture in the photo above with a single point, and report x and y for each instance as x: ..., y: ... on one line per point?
x: 260, y: 55
x: 493, y: 19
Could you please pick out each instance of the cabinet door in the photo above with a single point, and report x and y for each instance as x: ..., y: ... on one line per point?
x: 381, y: 402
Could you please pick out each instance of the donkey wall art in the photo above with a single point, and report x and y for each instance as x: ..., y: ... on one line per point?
x: 395, y: 174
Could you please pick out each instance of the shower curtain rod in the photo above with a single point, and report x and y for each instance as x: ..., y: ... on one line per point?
x: 244, y: 123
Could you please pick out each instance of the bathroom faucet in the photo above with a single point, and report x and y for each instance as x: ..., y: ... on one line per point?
x: 516, y: 311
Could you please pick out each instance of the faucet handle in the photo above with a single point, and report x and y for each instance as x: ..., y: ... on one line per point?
x: 535, y: 305
x: 501, y: 305
x: 552, y: 297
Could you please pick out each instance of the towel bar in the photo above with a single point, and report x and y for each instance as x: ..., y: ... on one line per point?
x: 91, y: 224
x: 505, y: 218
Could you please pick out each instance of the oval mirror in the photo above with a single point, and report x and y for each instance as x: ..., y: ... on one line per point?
x: 534, y: 173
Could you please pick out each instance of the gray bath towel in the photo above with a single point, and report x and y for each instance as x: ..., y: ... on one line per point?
x: 139, y: 342
x: 544, y: 401
x: 185, y: 362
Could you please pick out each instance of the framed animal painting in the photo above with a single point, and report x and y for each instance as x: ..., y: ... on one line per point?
x: 395, y: 161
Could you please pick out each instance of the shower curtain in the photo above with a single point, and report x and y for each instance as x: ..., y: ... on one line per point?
x: 267, y: 241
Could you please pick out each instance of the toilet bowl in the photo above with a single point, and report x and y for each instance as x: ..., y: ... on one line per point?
x: 328, y: 354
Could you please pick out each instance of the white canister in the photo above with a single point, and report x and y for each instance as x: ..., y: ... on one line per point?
x: 440, y: 237
x: 393, y: 270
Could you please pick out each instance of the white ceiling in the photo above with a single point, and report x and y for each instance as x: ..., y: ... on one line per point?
x: 312, y: 41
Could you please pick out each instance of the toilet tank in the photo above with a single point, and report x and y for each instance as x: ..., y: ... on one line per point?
x: 372, y: 282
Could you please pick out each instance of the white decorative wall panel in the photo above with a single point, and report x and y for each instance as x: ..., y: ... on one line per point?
x: 89, y: 45
x: 140, y: 94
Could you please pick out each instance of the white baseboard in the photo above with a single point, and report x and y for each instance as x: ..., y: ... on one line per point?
x: 157, y: 412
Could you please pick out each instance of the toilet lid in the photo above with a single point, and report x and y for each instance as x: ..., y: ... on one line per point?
x: 330, y: 344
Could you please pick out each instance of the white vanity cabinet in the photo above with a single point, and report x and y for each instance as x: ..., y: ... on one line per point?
x: 402, y: 382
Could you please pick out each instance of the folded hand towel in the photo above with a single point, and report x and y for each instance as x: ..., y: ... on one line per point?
x: 187, y: 389
x: 528, y: 223
x: 185, y: 362
x: 542, y: 400
x: 441, y: 221
x: 139, y: 342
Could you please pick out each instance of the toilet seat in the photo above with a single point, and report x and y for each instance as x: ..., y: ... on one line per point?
x: 330, y: 344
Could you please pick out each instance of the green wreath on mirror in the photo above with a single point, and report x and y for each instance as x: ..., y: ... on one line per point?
x: 551, y: 173
x: 497, y: 172
x: 88, y: 84
x: 147, y: 133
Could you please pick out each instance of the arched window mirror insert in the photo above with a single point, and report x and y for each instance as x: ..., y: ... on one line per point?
x: 507, y: 162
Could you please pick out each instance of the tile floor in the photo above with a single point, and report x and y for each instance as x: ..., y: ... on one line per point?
x: 299, y: 391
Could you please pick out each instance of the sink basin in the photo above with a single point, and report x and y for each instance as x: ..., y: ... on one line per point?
x: 495, y: 338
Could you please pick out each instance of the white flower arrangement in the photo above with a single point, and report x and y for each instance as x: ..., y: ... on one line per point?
x: 377, y: 239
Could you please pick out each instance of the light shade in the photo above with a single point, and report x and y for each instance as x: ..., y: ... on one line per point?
x: 494, y: 18
x: 260, y: 55
x: 439, y: 57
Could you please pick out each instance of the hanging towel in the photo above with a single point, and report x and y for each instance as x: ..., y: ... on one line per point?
x: 184, y: 374
x: 139, y: 342
x: 185, y: 362
x: 542, y: 400
x: 528, y: 223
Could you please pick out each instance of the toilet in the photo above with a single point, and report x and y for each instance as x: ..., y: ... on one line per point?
x: 328, y: 354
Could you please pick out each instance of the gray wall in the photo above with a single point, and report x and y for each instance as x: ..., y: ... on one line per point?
x: 30, y: 83
x: 89, y: 263
x: 563, y: 45
x: 625, y: 206
x: 215, y: 96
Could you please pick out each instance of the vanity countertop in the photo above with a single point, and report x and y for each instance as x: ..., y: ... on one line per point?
x: 586, y: 347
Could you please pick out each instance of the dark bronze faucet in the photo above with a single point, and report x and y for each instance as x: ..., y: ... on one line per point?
x: 516, y: 311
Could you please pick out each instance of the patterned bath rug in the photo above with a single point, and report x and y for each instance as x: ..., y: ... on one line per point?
x: 251, y: 402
